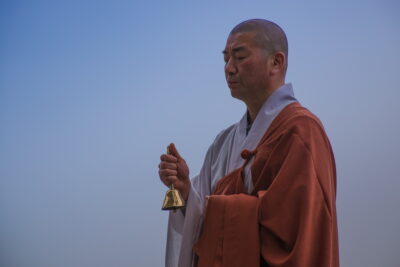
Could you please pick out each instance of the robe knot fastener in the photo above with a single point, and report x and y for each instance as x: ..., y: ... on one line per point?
x: 247, y: 154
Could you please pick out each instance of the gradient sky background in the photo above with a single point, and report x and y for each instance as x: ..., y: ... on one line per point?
x: 91, y: 93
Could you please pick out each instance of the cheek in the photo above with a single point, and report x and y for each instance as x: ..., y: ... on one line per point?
x: 247, y: 71
x: 246, y: 66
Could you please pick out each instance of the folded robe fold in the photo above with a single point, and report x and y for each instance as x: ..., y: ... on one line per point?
x: 290, y: 217
x: 228, y: 213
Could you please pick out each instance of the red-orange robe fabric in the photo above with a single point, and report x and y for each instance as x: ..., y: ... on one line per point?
x: 290, y: 217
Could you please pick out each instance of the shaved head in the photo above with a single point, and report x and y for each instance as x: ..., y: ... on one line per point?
x: 269, y: 36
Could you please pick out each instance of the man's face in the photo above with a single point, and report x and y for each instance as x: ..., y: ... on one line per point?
x: 246, y: 66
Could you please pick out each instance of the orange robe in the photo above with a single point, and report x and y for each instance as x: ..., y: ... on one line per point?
x: 290, y: 217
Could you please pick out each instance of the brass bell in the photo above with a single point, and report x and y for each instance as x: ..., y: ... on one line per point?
x: 173, y: 199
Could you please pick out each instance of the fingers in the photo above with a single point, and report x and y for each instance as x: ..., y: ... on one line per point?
x: 167, y: 165
x: 168, y: 158
x: 171, y: 180
x: 166, y: 168
x: 167, y: 172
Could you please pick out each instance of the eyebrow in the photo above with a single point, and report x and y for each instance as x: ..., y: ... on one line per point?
x: 236, y: 49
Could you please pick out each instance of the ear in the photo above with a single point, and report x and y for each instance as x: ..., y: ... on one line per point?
x: 278, y: 62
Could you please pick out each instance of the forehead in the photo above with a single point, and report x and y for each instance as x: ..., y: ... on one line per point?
x: 244, y: 39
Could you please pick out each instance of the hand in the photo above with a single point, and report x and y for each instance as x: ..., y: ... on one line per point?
x: 174, y: 170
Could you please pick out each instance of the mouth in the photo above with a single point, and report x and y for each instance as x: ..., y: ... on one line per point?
x: 230, y: 83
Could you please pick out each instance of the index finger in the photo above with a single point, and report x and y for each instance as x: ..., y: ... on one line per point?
x: 168, y: 158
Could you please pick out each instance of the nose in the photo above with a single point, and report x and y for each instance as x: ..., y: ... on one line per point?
x: 230, y: 68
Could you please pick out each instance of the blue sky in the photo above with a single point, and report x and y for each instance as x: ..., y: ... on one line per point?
x: 91, y: 92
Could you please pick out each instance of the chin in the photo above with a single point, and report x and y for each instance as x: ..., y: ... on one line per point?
x: 235, y: 94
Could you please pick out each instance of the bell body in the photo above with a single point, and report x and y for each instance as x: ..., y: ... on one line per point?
x: 173, y: 200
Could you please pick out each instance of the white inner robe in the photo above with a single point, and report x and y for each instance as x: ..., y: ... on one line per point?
x: 223, y: 156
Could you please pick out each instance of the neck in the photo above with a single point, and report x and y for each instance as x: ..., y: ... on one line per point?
x: 254, y: 105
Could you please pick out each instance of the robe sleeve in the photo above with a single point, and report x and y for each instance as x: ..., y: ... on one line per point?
x: 184, y: 227
x: 291, y: 223
x: 231, y: 232
x: 297, y: 213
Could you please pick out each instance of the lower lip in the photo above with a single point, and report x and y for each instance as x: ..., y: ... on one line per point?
x: 232, y: 83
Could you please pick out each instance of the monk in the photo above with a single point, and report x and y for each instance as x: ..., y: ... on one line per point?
x: 265, y: 195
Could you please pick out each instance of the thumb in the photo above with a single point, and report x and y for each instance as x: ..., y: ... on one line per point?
x: 173, y: 151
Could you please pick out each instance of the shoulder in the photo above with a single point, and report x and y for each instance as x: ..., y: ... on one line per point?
x: 224, y: 135
x: 218, y: 143
x: 304, y: 121
x: 222, y: 139
x: 307, y: 128
x: 296, y: 121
